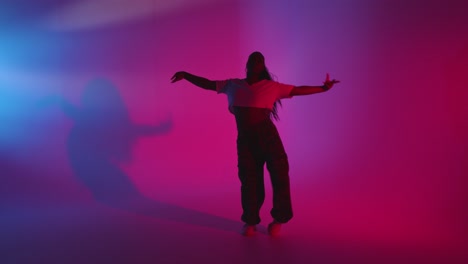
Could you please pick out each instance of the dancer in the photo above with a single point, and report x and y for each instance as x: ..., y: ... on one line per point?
x: 254, y: 102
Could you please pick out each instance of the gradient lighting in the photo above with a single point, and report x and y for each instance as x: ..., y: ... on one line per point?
x: 25, y: 75
x: 378, y: 163
x: 91, y: 14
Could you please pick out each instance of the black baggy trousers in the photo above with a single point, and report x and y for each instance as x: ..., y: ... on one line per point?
x: 257, y: 145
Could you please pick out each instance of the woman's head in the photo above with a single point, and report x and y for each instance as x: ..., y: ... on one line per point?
x: 255, y: 64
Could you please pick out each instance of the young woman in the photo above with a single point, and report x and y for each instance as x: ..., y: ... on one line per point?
x: 254, y: 101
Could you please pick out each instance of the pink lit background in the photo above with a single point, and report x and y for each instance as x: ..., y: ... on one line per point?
x: 103, y: 160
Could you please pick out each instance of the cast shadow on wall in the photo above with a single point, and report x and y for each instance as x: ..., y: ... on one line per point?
x: 102, y: 137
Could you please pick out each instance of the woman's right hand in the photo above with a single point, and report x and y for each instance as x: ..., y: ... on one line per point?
x: 178, y: 76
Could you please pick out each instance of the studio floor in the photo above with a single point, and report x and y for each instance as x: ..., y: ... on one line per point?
x: 144, y: 230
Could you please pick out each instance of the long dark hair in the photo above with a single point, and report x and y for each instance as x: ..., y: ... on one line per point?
x: 264, y: 75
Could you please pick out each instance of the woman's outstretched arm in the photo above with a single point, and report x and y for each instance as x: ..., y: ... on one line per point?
x: 305, y: 90
x: 196, y: 80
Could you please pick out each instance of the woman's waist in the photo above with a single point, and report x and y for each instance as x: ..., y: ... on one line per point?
x: 251, y: 118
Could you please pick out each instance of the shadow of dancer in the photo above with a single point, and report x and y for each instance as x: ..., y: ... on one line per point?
x: 101, y: 139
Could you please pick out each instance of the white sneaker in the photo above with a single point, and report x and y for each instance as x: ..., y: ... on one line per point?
x: 274, y: 228
x: 249, y: 230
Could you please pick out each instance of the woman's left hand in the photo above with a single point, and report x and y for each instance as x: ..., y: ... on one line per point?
x: 329, y: 83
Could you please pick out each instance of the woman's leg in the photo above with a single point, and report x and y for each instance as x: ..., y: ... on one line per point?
x: 278, y: 167
x: 250, y: 169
